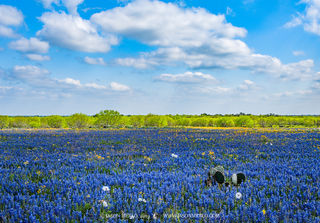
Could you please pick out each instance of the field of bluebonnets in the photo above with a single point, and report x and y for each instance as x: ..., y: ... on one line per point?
x: 158, y: 175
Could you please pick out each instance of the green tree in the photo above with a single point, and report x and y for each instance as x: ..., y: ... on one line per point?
x: 137, y: 121
x: 212, y: 122
x: 124, y: 121
x: 244, y: 121
x: 55, y: 121
x: 200, y: 122
x: 155, y: 121
x: 225, y: 122
x: 34, y: 122
x: 182, y: 121
x: 170, y: 121
x: 19, y: 122
x: 107, y: 118
x: 78, y: 120
x: 4, y: 121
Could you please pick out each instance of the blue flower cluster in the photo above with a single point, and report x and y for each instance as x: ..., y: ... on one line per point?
x: 158, y: 175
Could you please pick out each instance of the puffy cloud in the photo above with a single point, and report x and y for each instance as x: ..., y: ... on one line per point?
x: 6, y: 31
x: 71, y: 81
x: 73, y: 32
x: 166, y: 24
x: 94, y: 61
x: 245, y: 86
x: 31, y: 75
x: 32, y: 45
x: 187, y: 77
x: 310, y: 19
x: 119, y: 87
x: 37, y: 57
x: 39, y: 78
x: 194, y: 37
x: 215, y: 90
x: 296, y: 21
x: 48, y: 3
x: 140, y: 63
x: 78, y: 84
x: 29, y: 72
x: 194, y: 58
x: 10, y: 16
x: 71, y: 5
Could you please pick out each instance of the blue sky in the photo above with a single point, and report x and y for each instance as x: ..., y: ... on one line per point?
x: 161, y: 57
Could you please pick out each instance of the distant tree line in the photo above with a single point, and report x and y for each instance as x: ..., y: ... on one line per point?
x: 113, y: 119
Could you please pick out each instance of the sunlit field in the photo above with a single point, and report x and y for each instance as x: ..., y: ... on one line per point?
x: 159, y: 175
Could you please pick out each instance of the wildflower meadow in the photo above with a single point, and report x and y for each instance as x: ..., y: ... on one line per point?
x: 158, y: 175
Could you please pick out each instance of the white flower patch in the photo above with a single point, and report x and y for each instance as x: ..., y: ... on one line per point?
x: 238, y: 195
x: 105, y: 204
x: 174, y: 155
x: 142, y: 200
x: 106, y: 188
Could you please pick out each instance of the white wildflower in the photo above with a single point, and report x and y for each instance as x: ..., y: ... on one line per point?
x: 106, y: 188
x: 132, y: 216
x: 155, y: 216
x: 238, y: 195
x: 142, y: 200
x: 174, y: 155
x: 105, y: 204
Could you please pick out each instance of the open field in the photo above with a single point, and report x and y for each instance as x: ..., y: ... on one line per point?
x: 158, y: 175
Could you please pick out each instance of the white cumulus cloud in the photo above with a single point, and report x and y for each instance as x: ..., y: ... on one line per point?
x: 37, y: 57
x: 71, y: 5
x: 309, y: 19
x: 7, y: 32
x: 73, y: 32
x: 10, y: 16
x: 166, y: 24
x: 119, y: 87
x: 94, y: 61
x: 40, y: 78
x: 187, y: 77
x: 32, y: 45
x: 190, y: 36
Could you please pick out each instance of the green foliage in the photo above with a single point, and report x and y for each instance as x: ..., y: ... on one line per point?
x: 18, y: 122
x: 78, y: 120
x: 34, y: 122
x: 137, y: 121
x: 183, y: 121
x: 4, y: 121
x: 111, y: 118
x: 55, y: 121
x: 244, y: 121
x: 155, y: 121
x: 200, y: 122
x: 170, y: 121
x: 124, y: 121
x: 107, y: 118
x: 225, y: 122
